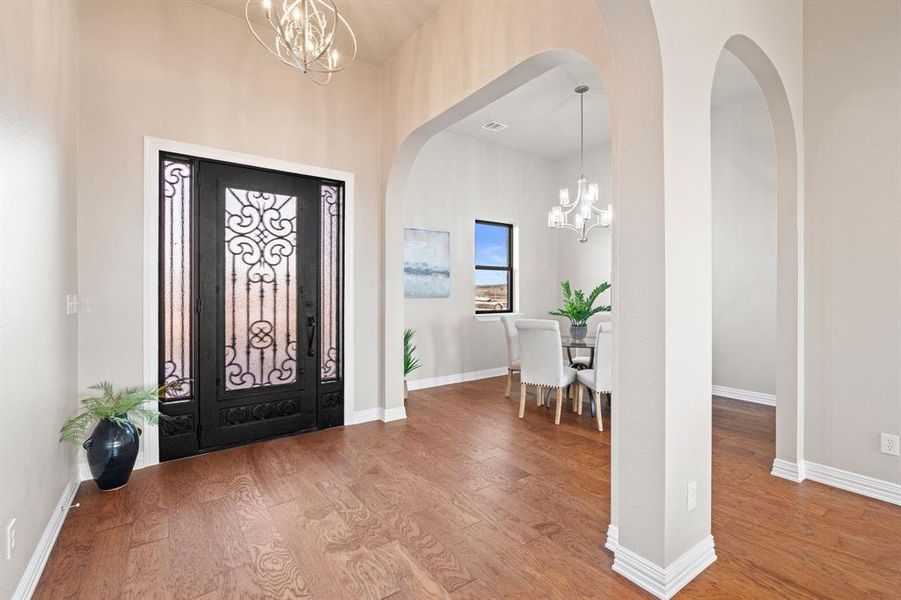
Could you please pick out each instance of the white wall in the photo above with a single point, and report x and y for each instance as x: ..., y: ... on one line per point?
x: 852, y: 105
x: 191, y: 73
x: 744, y: 246
x: 38, y: 387
x: 456, y: 180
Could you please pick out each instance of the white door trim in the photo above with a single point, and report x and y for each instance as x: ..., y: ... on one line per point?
x: 150, y: 450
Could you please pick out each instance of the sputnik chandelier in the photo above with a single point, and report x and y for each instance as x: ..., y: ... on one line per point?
x: 588, y: 216
x: 309, y: 35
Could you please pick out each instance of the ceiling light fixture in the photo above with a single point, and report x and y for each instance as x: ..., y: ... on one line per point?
x: 309, y: 35
x: 586, y: 194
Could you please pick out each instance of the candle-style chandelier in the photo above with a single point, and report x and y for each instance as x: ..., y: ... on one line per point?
x: 588, y: 216
x: 309, y: 35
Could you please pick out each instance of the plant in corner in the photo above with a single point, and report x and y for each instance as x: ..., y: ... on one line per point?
x: 411, y: 363
x: 113, y: 445
x: 578, y: 309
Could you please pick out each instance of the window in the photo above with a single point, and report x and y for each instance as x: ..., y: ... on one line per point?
x: 494, y: 267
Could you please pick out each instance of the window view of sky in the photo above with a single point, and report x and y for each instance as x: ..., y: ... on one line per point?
x: 491, y: 245
x: 492, y: 291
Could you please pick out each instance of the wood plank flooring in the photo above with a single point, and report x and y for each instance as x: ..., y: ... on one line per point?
x: 461, y: 500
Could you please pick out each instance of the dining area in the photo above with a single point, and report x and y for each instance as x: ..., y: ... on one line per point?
x: 562, y: 368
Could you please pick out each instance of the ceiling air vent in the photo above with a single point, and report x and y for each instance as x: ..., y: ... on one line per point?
x: 494, y: 126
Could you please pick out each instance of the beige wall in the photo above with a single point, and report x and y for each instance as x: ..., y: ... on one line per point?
x: 38, y: 386
x: 852, y: 104
x: 456, y: 180
x: 187, y: 72
x: 744, y: 246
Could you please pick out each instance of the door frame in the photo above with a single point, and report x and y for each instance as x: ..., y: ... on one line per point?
x: 150, y: 449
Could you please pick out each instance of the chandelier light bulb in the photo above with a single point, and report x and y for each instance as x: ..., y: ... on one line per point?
x: 564, y: 196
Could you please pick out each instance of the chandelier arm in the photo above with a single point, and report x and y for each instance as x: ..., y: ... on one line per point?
x: 261, y: 42
x: 594, y: 225
x: 353, y: 37
x: 330, y: 36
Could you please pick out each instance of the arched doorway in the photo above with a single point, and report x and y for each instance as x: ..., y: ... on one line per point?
x: 450, y: 73
x: 788, y: 308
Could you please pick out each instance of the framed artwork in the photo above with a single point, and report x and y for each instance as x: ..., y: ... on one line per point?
x: 426, y: 263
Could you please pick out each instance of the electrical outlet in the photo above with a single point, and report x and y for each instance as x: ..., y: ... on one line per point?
x: 889, y: 444
x: 71, y: 304
x: 10, y: 538
x: 692, y: 499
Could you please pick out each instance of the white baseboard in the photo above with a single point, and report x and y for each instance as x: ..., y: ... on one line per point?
x: 844, y: 480
x: 664, y: 582
x: 746, y: 395
x: 364, y: 416
x: 393, y: 414
x: 35, y: 567
x: 377, y: 414
x: 430, y: 382
x: 854, y: 482
x: 788, y: 470
x: 612, y: 538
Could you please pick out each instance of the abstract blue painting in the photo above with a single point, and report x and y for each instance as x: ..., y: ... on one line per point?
x: 426, y: 263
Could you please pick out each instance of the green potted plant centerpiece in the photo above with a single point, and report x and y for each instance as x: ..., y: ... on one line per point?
x: 578, y: 308
x: 411, y: 363
x: 113, y: 445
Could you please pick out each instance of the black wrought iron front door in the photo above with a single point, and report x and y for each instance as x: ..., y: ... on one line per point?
x: 257, y: 275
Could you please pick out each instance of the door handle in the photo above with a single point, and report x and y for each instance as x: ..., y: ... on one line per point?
x: 311, y: 335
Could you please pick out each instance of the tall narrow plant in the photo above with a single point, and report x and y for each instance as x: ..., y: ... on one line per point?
x: 411, y: 363
x: 576, y: 307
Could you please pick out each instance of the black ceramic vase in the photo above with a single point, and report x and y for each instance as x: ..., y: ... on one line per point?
x: 112, y: 451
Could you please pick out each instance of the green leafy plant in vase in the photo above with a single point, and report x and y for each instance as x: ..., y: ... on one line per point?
x: 411, y: 363
x: 112, y: 447
x: 578, y: 308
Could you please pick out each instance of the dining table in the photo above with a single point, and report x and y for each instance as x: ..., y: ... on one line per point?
x: 587, y: 343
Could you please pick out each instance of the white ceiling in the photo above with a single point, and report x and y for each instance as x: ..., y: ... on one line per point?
x: 543, y: 114
x: 380, y: 25
x: 732, y: 81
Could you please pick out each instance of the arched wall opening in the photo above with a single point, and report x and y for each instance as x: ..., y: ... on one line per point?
x: 447, y: 71
x: 788, y: 307
x: 466, y: 186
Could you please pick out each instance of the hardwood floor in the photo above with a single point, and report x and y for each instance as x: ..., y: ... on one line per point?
x: 461, y: 500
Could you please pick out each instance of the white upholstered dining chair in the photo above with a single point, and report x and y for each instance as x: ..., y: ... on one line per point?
x: 541, y: 361
x: 598, y: 379
x: 510, y: 332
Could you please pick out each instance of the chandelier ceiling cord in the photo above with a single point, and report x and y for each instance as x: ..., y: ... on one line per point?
x: 589, y: 216
x: 309, y: 35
